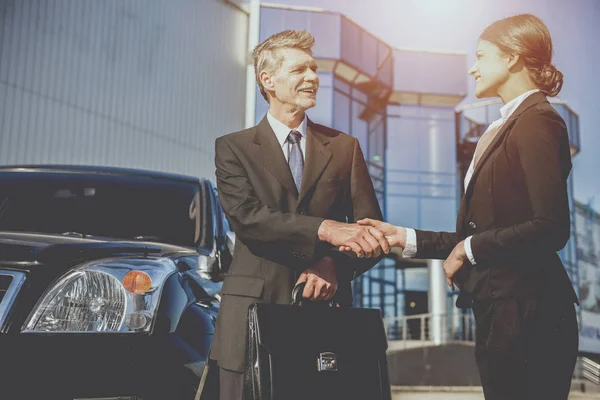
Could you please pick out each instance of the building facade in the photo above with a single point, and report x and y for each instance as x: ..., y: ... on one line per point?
x: 120, y: 82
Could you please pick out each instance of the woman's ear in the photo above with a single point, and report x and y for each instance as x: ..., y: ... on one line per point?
x: 513, y: 60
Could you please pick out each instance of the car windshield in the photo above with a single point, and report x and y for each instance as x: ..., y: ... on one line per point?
x: 111, y: 205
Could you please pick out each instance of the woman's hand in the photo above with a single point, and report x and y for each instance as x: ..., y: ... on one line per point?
x: 395, y: 235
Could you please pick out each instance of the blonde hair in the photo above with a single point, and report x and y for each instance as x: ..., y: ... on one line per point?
x: 265, y: 54
x: 527, y: 36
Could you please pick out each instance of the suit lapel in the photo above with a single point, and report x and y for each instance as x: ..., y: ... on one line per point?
x: 271, y: 155
x: 316, y: 159
x: 528, y: 102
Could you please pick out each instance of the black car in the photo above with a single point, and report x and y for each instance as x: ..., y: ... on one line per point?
x: 109, y: 282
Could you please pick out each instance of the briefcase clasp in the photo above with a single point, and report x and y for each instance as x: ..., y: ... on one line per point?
x: 327, y: 362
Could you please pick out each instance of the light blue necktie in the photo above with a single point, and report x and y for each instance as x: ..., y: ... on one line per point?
x: 295, y: 159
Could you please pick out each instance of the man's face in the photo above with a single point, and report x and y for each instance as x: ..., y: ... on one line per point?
x: 296, y: 82
x: 490, y: 69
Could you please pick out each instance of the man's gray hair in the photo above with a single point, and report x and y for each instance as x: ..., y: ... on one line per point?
x: 265, y: 54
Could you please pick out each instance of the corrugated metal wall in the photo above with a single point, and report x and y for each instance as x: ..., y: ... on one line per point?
x: 135, y: 83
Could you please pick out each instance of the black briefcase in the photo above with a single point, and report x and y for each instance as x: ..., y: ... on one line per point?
x: 309, y: 351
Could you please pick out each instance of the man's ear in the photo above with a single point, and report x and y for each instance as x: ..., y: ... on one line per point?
x: 266, y: 80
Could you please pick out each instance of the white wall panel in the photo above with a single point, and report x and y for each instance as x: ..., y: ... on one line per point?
x: 132, y: 83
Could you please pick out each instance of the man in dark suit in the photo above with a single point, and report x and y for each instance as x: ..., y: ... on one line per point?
x: 287, y: 187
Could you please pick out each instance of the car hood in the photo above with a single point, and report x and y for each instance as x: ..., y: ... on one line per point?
x: 28, y: 248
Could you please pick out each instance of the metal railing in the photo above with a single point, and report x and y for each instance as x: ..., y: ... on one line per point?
x: 587, y: 369
x: 438, y: 329
x: 429, y: 329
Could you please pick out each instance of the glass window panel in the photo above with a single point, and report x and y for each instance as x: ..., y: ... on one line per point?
x: 341, y: 112
x: 345, y: 71
x: 271, y: 22
x: 359, y: 96
x: 325, y: 65
x: 359, y: 127
x: 440, y: 100
x: 438, y: 214
x: 326, y: 28
x: 437, y: 191
x: 375, y: 288
x: 400, y: 302
x: 322, y: 113
x: 577, y: 142
x: 341, y: 85
x: 362, y: 78
x: 383, y: 51
x: 430, y: 72
x: 377, y: 142
x: 295, y: 19
x: 395, y: 98
x: 366, y: 286
x: 261, y: 106
x: 395, y: 176
x: 406, y: 98
x: 390, y: 272
x: 417, y: 279
x: 408, y: 111
x: 437, y: 145
x: 403, y: 144
x: 398, y: 189
x: 386, y: 72
x: 368, y: 56
x: 561, y: 110
x: 403, y: 211
x: 350, y: 42
x: 325, y: 79
x: 381, y: 201
x: 439, y: 178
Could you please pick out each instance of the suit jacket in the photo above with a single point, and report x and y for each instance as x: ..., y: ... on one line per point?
x: 276, y: 227
x: 516, y: 207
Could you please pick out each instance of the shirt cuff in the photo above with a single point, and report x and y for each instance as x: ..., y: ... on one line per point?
x: 469, y: 251
x: 411, y: 244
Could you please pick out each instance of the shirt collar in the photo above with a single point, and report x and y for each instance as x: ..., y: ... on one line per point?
x: 282, y: 130
x: 510, y: 107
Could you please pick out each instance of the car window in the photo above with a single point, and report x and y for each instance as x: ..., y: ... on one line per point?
x: 104, y: 205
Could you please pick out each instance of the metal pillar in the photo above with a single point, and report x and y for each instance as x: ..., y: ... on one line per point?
x: 253, y: 38
x: 438, y: 295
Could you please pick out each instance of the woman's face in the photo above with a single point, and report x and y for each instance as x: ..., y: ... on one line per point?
x: 490, y: 70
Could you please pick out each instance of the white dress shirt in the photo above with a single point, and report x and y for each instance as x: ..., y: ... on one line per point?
x: 505, y: 112
x: 282, y: 132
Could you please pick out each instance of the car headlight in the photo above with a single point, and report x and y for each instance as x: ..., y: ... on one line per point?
x: 120, y: 295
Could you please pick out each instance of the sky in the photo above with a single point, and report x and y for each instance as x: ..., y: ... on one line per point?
x: 455, y: 25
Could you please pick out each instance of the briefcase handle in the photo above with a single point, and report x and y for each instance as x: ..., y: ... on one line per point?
x: 297, y: 299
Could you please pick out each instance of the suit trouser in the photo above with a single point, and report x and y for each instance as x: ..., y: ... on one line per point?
x: 231, y: 386
x: 526, y: 349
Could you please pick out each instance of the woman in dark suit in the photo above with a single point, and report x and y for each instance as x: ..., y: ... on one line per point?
x: 513, y: 219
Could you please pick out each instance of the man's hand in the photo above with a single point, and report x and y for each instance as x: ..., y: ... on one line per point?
x: 321, y: 280
x: 357, y: 238
x: 395, y: 235
x: 454, y: 262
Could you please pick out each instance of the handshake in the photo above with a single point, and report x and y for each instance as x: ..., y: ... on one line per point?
x: 366, y: 237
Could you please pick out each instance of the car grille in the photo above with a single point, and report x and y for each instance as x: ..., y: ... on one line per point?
x: 10, y: 284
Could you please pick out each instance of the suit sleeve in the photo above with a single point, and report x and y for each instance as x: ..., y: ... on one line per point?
x: 541, y: 142
x: 362, y: 203
x: 255, y: 222
x: 435, y: 245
